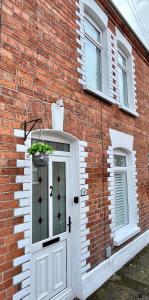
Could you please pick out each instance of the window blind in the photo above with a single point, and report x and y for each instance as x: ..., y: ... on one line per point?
x: 121, y: 199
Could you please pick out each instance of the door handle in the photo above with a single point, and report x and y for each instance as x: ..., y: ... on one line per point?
x: 69, y: 224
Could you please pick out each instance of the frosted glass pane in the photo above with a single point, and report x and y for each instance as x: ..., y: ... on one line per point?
x: 59, y: 197
x: 39, y: 204
x: 123, y: 87
x: 93, y: 65
x: 92, y: 31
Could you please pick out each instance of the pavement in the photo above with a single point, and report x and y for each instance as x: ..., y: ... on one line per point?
x: 129, y: 283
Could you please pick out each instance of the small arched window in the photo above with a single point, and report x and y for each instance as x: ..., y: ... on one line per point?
x: 121, y: 188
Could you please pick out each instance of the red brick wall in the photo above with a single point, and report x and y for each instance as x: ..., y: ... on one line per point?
x: 38, y: 66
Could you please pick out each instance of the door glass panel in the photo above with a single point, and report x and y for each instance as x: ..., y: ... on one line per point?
x: 39, y: 203
x: 59, y: 197
x: 57, y: 146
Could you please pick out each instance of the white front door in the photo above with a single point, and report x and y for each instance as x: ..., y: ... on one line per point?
x: 51, y: 231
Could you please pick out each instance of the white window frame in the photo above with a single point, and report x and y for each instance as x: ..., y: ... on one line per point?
x: 124, y: 47
x: 97, y: 44
x: 99, y: 20
x: 122, y: 170
x: 123, y: 143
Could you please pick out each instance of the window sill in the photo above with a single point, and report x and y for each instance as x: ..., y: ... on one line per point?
x: 99, y: 94
x: 129, y: 111
x: 124, y: 234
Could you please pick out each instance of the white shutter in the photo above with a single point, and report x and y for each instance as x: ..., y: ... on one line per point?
x: 121, y: 199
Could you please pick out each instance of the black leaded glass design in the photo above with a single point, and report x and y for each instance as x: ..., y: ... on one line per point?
x: 40, y: 220
x: 59, y: 197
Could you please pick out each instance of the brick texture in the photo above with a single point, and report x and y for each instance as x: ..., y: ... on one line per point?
x: 38, y: 65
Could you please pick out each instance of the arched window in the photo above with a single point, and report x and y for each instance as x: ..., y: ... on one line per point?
x: 95, y: 65
x: 121, y: 188
x: 126, y: 74
x: 93, y: 49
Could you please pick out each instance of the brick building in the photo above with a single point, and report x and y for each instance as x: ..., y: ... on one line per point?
x: 65, y: 228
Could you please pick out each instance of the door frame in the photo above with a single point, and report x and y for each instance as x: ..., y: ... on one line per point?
x: 58, y: 136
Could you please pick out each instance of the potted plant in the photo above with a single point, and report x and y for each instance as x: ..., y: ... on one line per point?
x: 40, y: 153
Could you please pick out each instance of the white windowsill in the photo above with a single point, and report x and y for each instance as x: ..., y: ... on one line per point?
x: 125, y: 233
x: 129, y: 111
x: 99, y: 94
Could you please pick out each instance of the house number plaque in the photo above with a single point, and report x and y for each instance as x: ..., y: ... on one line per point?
x: 83, y: 192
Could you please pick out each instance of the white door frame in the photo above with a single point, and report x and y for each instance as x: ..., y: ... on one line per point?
x: 63, y: 137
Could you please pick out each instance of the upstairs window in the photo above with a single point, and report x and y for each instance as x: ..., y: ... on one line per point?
x: 93, y: 49
x: 126, y: 75
x: 123, y: 86
x: 94, y: 57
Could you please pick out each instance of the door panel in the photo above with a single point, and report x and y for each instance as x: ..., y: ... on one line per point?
x: 58, y: 264
x: 42, y: 277
x: 50, y: 210
x: 49, y: 271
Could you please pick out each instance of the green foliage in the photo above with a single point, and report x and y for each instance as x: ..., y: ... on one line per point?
x: 38, y: 148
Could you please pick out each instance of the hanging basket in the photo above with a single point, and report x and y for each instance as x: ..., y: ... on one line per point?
x: 40, y: 160
x: 40, y: 153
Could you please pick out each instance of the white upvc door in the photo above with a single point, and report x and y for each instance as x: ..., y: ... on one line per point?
x: 51, y: 274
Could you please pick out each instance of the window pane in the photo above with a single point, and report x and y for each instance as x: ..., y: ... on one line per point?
x: 59, y: 197
x: 119, y: 161
x: 123, y: 87
x: 57, y: 146
x: 39, y: 203
x: 92, y: 31
x: 121, y: 60
x: 121, y: 199
x: 93, y: 65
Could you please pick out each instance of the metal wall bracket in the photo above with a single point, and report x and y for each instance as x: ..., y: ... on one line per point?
x: 33, y: 122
